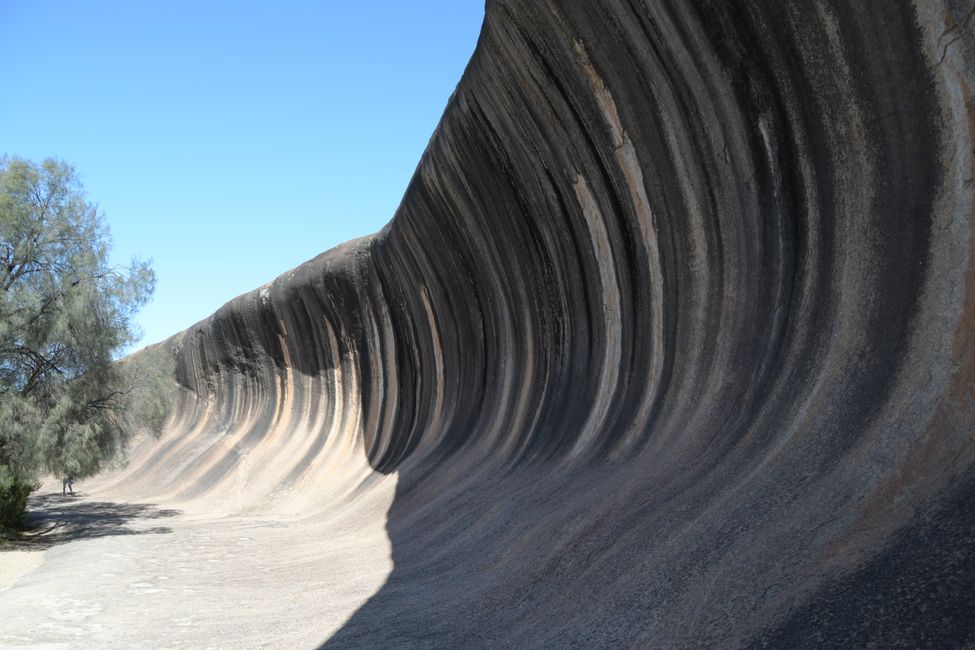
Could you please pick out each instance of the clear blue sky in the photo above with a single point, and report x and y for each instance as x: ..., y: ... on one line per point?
x: 230, y: 141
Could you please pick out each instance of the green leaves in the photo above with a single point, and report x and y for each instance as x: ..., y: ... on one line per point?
x: 67, y: 406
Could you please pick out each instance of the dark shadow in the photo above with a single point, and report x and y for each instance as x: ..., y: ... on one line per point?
x: 55, y: 519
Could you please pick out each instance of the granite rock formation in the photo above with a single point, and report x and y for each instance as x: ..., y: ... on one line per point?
x: 670, y: 341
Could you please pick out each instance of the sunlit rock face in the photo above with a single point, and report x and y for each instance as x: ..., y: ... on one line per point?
x: 670, y: 341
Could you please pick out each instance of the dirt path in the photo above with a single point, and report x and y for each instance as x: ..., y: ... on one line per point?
x: 124, y: 575
x: 15, y: 564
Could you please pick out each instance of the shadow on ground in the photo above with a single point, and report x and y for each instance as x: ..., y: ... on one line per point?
x: 56, y: 519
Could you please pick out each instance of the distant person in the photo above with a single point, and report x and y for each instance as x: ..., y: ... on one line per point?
x: 67, y: 485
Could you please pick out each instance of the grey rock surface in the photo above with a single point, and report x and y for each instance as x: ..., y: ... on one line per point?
x: 669, y: 344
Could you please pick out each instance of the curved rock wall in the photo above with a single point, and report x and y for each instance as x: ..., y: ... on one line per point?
x: 670, y: 341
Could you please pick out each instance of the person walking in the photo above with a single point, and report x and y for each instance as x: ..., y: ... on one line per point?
x: 67, y: 485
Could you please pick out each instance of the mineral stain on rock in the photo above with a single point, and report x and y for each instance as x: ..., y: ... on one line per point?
x: 669, y: 343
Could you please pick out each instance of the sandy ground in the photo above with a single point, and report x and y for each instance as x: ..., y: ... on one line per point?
x: 115, y: 574
x: 15, y: 564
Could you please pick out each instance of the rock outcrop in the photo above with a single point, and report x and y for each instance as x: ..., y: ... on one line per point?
x: 670, y: 341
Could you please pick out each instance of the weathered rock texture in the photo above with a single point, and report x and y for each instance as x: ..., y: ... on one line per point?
x: 670, y: 341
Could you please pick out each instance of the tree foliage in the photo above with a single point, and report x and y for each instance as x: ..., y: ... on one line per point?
x: 67, y: 406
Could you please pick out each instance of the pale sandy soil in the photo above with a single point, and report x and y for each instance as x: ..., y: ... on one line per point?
x: 15, y: 564
x: 171, y: 576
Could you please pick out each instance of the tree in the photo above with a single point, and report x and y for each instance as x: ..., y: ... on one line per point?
x: 67, y: 406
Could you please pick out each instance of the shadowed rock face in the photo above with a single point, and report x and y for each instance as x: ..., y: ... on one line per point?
x: 670, y: 340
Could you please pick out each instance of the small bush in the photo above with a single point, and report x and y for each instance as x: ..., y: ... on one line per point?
x: 13, y: 507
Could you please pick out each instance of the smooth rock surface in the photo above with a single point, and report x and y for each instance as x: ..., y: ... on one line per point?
x: 669, y: 344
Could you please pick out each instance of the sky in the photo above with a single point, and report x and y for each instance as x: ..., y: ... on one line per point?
x: 230, y: 141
